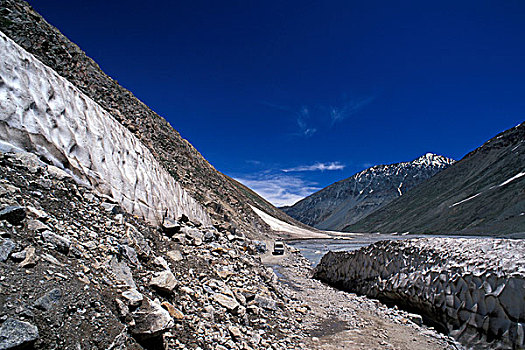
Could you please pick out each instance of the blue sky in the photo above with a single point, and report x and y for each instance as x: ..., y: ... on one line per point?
x: 291, y: 96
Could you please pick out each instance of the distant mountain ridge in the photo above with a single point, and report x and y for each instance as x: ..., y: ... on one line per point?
x: 349, y: 200
x: 482, y: 194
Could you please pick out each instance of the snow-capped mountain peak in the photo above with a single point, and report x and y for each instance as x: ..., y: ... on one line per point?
x: 431, y: 159
x: 356, y: 197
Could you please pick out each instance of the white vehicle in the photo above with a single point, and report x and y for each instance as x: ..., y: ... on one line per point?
x: 278, y: 248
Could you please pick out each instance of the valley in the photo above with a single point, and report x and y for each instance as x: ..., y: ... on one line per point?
x: 117, y: 233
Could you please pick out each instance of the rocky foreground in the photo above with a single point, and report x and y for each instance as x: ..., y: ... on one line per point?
x: 472, y: 288
x: 79, y: 273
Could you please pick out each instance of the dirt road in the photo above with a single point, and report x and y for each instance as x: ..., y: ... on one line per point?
x: 340, y: 320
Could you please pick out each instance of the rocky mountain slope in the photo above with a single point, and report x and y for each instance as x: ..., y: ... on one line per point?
x: 79, y: 272
x: 349, y: 200
x: 227, y: 202
x: 483, y: 194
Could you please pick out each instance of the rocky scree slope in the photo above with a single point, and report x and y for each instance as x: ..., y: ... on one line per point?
x: 473, y: 288
x: 483, y: 194
x: 79, y: 272
x: 349, y: 200
x: 226, y: 200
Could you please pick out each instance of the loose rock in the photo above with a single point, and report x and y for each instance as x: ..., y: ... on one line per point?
x: 164, y: 281
x: 6, y: 247
x: 15, y: 334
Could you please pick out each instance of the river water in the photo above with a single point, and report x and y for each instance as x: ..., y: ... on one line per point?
x: 314, y: 249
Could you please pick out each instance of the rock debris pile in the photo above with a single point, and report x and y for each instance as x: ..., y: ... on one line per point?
x: 473, y: 288
x: 80, y: 273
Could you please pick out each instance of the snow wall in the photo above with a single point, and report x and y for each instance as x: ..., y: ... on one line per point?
x: 474, y: 289
x: 43, y: 113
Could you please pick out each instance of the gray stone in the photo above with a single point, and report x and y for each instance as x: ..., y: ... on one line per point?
x: 129, y: 253
x: 39, y: 214
x: 133, y: 297
x: 260, y: 247
x: 209, y: 236
x: 122, y: 308
x: 6, y: 247
x: 161, y: 262
x: 164, y: 281
x: 121, y: 272
x: 235, y: 332
x: 174, y: 255
x: 15, y: 334
x: 417, y: 319
x: 58, y: 242
x: 13, y: 214
x: 49, y: 299
x: 36, y: 226
x: 265, y: 303
x: 150, y: 320
x: 193, y: 234
x: 19, y: 256
x: 228, y: 302
x: 138, y: 241
x: 57, y: 173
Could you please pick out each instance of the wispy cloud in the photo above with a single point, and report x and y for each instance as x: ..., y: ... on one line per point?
x: 302, y: 117
x: 311, y: 118
x: 253, y: 162
x: 279, y: 189
x: 348, y: 108
x: 316, y: 167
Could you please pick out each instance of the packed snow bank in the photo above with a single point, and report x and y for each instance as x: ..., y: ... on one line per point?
x: 281, y: 226
x: 42, y: 113
x: 474, y: 288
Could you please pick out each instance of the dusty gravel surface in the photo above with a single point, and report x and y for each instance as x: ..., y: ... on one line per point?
x: 340, y: 320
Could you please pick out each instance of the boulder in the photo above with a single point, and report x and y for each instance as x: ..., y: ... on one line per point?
x: 6, y: 247
x: 121, y: 272
x: 174, y: 255
x: 228, y: 302
x: 58, y: 242
x: 36, y: 226
x: 48, y: 300
x: 132, y: 297
x: 150, y: 320
x: 265, y: 303
x: 173, y: 311
x: 194, y: 235
x: 15, y: 334
x: 164, y: 281
x: 161, y: 262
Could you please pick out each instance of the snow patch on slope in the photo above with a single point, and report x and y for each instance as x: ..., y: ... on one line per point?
x: 43, y: 113
x: 465, y: 200
x: 281, y: 226
x: 512, y: 179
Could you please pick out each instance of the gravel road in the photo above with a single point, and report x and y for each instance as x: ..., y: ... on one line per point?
x: 339, y: 320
